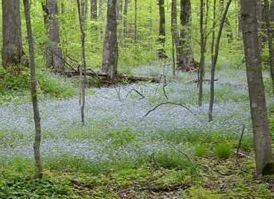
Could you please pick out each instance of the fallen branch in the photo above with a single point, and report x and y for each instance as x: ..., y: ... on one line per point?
x: 165, y: 103
x: 240, y: 143
x: 196, y: 81
x: 136, y: 91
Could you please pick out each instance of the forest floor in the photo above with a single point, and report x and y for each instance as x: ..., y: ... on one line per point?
x: 131, y: 148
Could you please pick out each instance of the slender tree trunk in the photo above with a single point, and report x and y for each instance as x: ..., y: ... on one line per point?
x: 12, y: 51
x: 186, y: 58
x: 262, y: 140
x: 175, y: 35
x: 135, y: 20
x: 269, y: 21
x: 125, y: 13
x: 202, y: 52
x: 34, y: 97
x: 54, y: 56
x: 81, y: 5
x: 215, y: 56
x: 110, y: 54
x: 162, y: 29
x: 93, y: 10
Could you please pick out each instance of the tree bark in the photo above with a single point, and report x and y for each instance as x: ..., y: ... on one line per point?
x: 202, y: 52
x: 175, y: 35
x: 34, y: 97
x: 261, y: 134
x: 214, y: 58
x: 12, y: 51
x: 82, y: 6
x: 125, y: 13
x: 269, y: 21
x: 186, y: 58
x: 162, y: 29
x: 54, y: 55
x: 110, y: 53
x: 93, y: 10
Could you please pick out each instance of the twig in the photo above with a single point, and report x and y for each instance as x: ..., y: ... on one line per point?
x: 240, y: 143
x: 164, y: 87
x: 165, y: 103
x: 136, y: 91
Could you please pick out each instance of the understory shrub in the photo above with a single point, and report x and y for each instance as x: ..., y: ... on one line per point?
x: 223, y: 150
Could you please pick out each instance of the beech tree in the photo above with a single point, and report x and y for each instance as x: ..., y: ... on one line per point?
x: 34, y: 94
x: 262, y: 139
x: 110, y: 52
x: 54, y: 56
x: 12, y: 50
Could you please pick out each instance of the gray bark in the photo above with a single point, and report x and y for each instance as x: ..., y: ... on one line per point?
x: 34, y: 97
x: 93, y: 10
x: 261, y: 134
x: 12, y: 51
x: 162, y: 29
x: 110, y: 53
x: 185, y: 59
x: 54, y: 55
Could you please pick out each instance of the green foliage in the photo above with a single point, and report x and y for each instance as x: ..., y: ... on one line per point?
x: 121, y: 138
x: 223, y: 150
x: 55, y: 86
x: 171, y: 159
x: 25, y: 187
x: 201, y: 150
x: 201, y: 193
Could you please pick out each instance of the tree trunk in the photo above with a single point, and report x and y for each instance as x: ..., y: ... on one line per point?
x: 125, y: 13
x: 93, y: 10
x: 54, y: 55
x: 110, y: 54
x: 269, y: 20
x: 34, y: 97
x: 175, y: 35
x: 162, y: 29
x: 185, y: 59
x: 202, y: 52
x: 12, y: 51
x: 82, y: 6
x: 214, y: 58
x: 262, y: 140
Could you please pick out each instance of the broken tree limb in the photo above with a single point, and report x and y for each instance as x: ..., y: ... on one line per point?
x: 165, y: 103
x: 136, y: 91
x: 196, y: 81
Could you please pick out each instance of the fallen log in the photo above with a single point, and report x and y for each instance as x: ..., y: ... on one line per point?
x: 103, y: 78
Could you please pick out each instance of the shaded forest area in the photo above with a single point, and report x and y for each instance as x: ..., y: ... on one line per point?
x: 137, y: 99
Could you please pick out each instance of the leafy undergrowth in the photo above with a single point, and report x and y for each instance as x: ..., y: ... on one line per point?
x: 213, y: 171
x: 15, y: 85
x: 209, y: 177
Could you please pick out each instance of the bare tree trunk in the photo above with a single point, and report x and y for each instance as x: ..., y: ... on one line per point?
x: 54, y: 55
x: 215, y: 55
x: 162, y: 29
x: 125, y: 13
x: 93, y: 10
x: 262, y: 140
x: 202, y: 51
x: 186, y: 58
x: 34, y: 97
x: 81, y: 5
x: 12, y: 51
x: 269, y: 21
x: 110, y: 54
x: 175, y: 35
x: 135, y: 20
